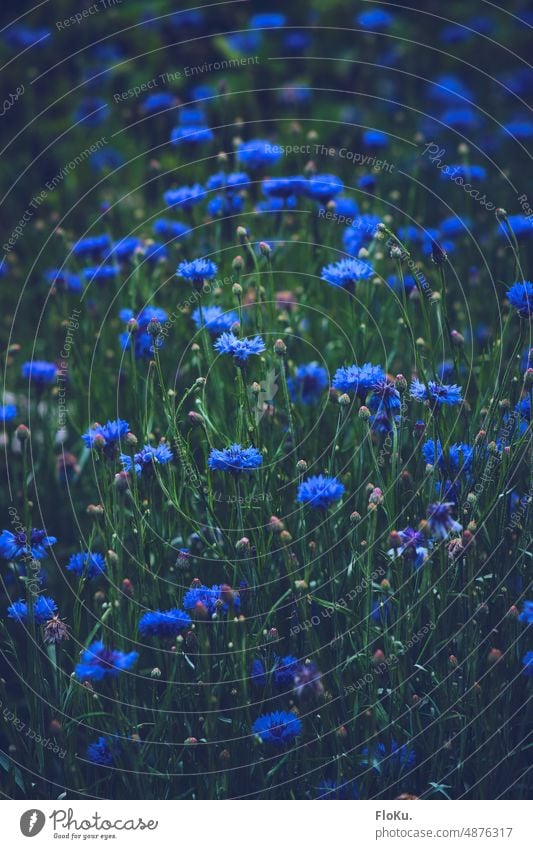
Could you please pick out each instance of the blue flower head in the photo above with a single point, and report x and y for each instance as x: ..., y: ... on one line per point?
x: 375, y: 139
x: 104, y: 751
x: 235, y: 459
x: 520, y: 297
x: 43, y: 610
x: 210, y: 599
x: 346, y: 272
x: 440, y: 394
x: 163, y: 623
x: 284, y: 670
x: 92, y: 246
x: 197, y: 270
x: 320, y: 491
x: 63, y: 280
x: 257, y: 153
x: 258, y: 673
x: 98, y: 663
x: 15, y: 546
x: 186, y: 196
x: 413, y: 547
x: 8, y: 412
x: 526, y: 615
x: 191, y: 134
x: 108, y: 435
x: 277, y: 729
x: 284, y: 187
x: 240, y: 349
x: 148, y: 457
x: 359, y: 379
x: 308, y: 383
x: 324, y: 187
x: 374, y: 19
x: 170, y: 229
x: 385, y: 397
x: 215, y: 319
x: 87, y: 565
x: 440, y: 520
x: 527, y: 662
x: 39, y: 372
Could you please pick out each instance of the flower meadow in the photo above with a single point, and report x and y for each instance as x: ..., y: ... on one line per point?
x: 267, y: 373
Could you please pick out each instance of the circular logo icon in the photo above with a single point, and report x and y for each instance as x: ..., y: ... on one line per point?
x: 32, y: 822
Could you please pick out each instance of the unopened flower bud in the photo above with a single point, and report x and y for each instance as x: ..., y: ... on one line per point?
x: 22, y: 432
x: 301, y: 467
x: 280, y: 347
x: 364, y: 413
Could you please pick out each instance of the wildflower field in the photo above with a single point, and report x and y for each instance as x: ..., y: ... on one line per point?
x: 267, y: 371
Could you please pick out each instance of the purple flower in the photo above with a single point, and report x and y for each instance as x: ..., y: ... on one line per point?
x: 440, y: 519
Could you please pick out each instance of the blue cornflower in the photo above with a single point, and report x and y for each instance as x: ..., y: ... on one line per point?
x: 308, y: 384
x: 230, y: 182
x: 148, y: 457
x: 103, y: 751
x: 170, y: 229
x: 158, y: 101
x: 268, y: 20
x: 44, y: 608
x: 8, y: 412
x: 385, y: 397
x: 63, y: 280
x: 374, y: 19
x: 375, y: 139
x: 225, y: 204
x: 440, y: 520
x: 324, y: 187
x: 155, y: 252
x: 124, y: 248
x: 360, y: 233
x: 284, y: 187
x: 449, y: 88
x: 463, y: 119
x: 235, y: 459
x: 381, y: 612
x: 215, y: 319
x: 468, y: 173
x: 91, y: 112
x: 358, y: 379
x: 519, y: 129
x: 240, y: 349
x: 108, y: 435
x: 397, y: 758
x: 284, y: 670
x: 520, y: 297
x: 197, y: 270
x: 413, y: 546
x: 39, y: 372
x: 367, y: 182
x: 527, y: 613
x: 521, y: 225
x: 185, y: 196
x: 346, y: 272
x: 86, y: 564
x: 258, y: 673
x: 460, y: 455
x: 527, y: 662
x: 92, y: 246
x: 15, y: 546
x: 440, y: 394
x: 100, y: 272
x: 211, y: 599
x: 108, y: 159
x: 320, y: 491
x: 98, y: 662
x: 277, y: 729
x: 191, y: 134
x: 257, y: 153
x: 163, y: 623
